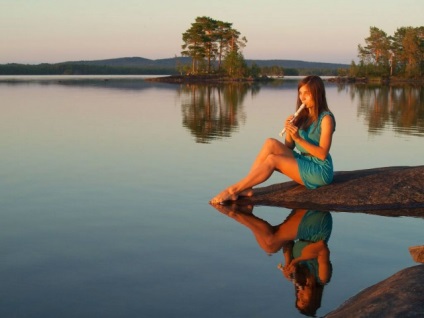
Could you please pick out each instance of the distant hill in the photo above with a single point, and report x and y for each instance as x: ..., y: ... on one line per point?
x: 140, y: 65
x: 119, y: 62
x: 172, y: 62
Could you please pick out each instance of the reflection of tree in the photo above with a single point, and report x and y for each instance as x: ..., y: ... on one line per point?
x: 409, y: 111
x: 402, y: 107
x: 213, y: 111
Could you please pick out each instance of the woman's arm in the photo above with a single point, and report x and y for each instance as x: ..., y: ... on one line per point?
x: 324, y: 266
x: 321, y: 151
x: 288, y: 257
x: 288, y: 251
x: 320, y: 251
x: 289, y: 142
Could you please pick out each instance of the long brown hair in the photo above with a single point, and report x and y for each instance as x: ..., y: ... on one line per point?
x: 317, y: 89
x: 304, y: 278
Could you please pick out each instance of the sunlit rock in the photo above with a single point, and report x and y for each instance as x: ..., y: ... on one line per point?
x: 417, y: 253
x: 401, y: 295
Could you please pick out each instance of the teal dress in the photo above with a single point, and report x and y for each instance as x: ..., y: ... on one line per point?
x: 314, y: 226
x: 313, y: 171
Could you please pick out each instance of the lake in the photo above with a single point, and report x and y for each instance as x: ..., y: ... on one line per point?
x: 105, y: 183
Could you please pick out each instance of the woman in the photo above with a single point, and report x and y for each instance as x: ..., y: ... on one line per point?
x: 311, y: 133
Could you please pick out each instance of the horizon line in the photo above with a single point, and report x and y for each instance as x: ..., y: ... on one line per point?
x: 166, y: 58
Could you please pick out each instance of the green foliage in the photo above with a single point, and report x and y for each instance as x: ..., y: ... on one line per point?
x: 272, y: 71
x: 209, y: 40
x: 399, y: 55
x: 235, y: 65
x: 293, y: 72
x: 255, y: 70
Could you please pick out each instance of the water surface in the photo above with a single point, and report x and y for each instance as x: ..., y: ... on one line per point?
x: 105, y: 185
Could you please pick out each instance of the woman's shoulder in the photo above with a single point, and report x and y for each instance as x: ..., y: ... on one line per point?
x: 328, y: 114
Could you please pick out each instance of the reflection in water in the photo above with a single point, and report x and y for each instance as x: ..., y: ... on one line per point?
x: 212, y: 112
x: 401, y: 107
x: 215, y: 111
x: 303, y: 237
x: 117, y: 82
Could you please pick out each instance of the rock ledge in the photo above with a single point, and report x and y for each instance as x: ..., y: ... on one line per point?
x: 401, y: 295
x: 390, y: 189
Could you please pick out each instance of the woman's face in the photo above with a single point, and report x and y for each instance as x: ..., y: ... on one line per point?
x: 306, y: 97
x: 304, y: 296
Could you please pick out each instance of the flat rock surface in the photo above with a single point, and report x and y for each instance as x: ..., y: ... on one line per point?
x: 391, y: 191
x: 401, y: 295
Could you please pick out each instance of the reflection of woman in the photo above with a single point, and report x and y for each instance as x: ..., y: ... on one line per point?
x: 303, y: 236
x: 307, y: 260
x: 311, y: 133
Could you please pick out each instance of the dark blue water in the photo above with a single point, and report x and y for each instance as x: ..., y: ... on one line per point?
x: 104, y: 191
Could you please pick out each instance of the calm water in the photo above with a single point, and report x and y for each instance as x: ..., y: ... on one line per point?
x: 105, y: 184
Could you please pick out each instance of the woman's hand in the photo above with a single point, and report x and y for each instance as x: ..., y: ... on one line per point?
x: 288, y: 271
x: 288, y: 120
x: 292, y: 130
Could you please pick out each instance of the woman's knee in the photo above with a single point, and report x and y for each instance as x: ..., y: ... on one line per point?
x: 271, y: 245
x: 272, y: 144
x: 272, y: 161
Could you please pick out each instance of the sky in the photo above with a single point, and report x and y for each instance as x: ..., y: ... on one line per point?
x: 52, y: 31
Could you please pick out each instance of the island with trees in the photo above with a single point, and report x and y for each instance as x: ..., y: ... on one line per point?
x: 215, y: 50
x: 385, y: 58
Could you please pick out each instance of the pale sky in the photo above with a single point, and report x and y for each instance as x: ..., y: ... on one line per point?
x: 51, y: 31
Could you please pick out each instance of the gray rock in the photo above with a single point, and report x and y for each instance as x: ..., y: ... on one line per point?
x: 401, y: 295
x: 392, y: 191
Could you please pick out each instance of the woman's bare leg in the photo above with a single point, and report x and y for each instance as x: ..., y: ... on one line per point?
x: 271, y: 146
x: 262, y: 230
x: 283, y: 161
x: 269, y: 237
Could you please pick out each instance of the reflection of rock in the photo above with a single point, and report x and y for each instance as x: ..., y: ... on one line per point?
x: 417, y: 253
x: 391, y: 190
x: 401, y: 295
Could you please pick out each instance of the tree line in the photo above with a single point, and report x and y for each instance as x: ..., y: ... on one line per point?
x: 72, y: 68
x: 401, y: 54
x: 80, y: 69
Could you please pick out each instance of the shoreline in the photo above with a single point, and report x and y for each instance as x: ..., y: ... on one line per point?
x: 193, y: 79
x: 376, y: 80
x: 179, y: 79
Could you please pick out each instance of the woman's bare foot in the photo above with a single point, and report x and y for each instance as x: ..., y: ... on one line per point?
x: 225, y: 209
x: 223, y: 197
x: 233, y: 210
